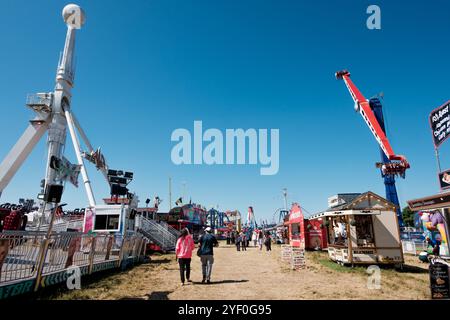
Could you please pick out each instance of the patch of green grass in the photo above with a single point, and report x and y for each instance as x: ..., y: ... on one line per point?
x: 315, y: 256
x: 337, y: 267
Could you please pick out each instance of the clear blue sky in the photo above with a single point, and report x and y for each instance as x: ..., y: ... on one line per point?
x: 145, y: 68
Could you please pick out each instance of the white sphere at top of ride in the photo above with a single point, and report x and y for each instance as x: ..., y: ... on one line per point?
x: 74, y: 16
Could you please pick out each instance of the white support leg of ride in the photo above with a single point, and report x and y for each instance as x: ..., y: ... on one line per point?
x: 76, y: 146
x: 21, y: 150
x: 62, y: 98
x: 74, y: 18
x: 87, y: 142
x: 82, y: 134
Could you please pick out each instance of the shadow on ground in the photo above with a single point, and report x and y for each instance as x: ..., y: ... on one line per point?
x: 412, y: 269
x: 159, y: 261
x: 159, y: 295
x: 222, y: 281
x: 156, y: 295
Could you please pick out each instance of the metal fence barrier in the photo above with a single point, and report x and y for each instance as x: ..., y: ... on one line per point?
x: 413, y: 247
x: 61, y: 224
x: 28, y: 255
x: 19, y: 253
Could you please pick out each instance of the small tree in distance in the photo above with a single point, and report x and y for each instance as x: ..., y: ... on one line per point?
x: 408, y: 217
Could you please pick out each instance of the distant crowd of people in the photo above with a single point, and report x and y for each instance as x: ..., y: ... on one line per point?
x: 242, y: 240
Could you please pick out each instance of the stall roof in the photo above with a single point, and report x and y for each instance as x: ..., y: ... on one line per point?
x: 346, y: 213
x: 437, y: 201
x: 341, y: 199
x: 361, y: 204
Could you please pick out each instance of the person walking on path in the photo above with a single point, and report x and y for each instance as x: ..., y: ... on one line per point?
x: 260, y: 239
x: 238, y: 241
x: 254, y: 238
x: 184, y: 247
x: 206, y: 244
x: 268, y: 242
x: 244, y: 241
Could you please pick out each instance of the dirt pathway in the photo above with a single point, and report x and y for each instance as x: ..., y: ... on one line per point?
x: 256, y: 274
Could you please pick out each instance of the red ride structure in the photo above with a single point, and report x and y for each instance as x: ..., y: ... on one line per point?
x: 397, y: 164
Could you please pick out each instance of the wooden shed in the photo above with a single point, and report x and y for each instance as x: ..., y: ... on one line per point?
x: 363, y: 230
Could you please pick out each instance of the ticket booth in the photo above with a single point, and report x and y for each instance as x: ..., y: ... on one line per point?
x: 296, y: 227
x: 363, y: 230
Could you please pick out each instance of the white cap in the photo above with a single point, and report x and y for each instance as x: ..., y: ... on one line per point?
x: 208, y: 229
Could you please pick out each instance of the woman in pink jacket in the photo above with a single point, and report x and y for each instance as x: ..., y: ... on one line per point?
x: 185, y: 246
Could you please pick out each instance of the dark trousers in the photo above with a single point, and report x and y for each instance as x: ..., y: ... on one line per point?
x: 244, y: 245
x: 185, y: 266
x: 269, y: 246
x: 238, y: 246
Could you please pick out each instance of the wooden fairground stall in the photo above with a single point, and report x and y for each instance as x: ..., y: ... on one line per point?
x: 363, y: 229
x: 306, y: 232
x: 295, y: 226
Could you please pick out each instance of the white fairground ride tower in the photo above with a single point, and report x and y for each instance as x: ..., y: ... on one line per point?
x: 54, y: 115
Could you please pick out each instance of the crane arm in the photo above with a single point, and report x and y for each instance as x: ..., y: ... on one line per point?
x: 363, y: 107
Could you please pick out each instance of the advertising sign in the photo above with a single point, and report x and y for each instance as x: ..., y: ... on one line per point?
x: 440, y: 123
x: 439, y: 281
x: 296, y: 214
x: 88, y: 224
x: 444, y: 180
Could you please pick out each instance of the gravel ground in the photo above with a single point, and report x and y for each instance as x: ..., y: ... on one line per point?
x: 255, y: 274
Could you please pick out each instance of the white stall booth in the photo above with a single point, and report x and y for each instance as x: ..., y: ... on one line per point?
x: 363, y: 229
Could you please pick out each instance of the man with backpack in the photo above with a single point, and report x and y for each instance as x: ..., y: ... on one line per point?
x: 206, y: 253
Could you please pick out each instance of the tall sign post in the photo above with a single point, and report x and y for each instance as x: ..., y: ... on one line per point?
x: 440, y: 130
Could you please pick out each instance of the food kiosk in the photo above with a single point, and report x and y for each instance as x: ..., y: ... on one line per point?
x: 363, y: 229
x: 296, y: 226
